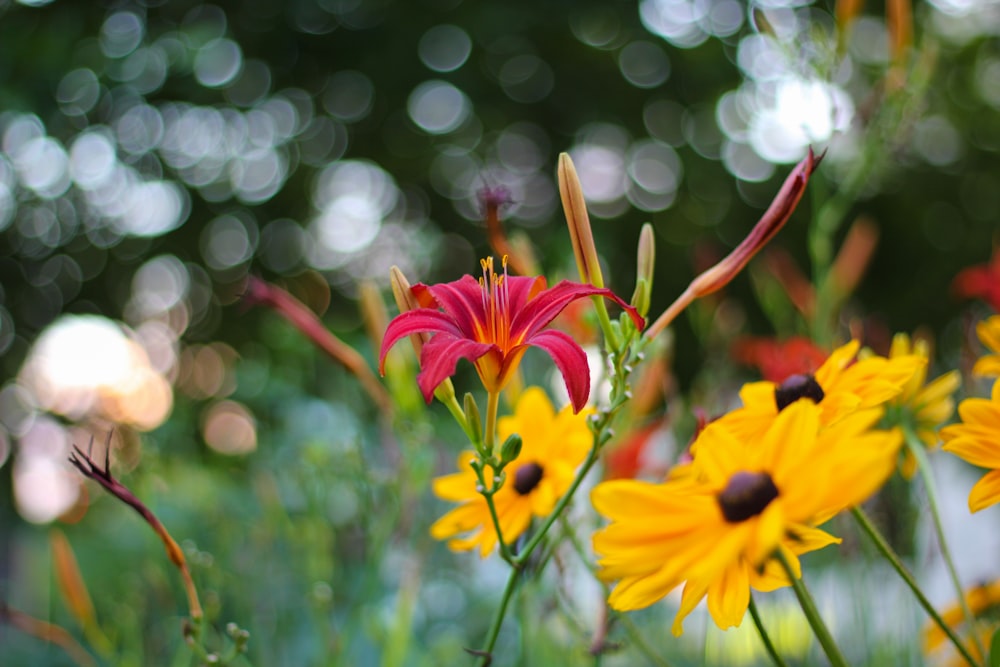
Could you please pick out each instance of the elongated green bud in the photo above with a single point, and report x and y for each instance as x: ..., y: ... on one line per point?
x: 473, y: 419
x: 511, y: 449
x: 645, y: 262
x: 581, y: 236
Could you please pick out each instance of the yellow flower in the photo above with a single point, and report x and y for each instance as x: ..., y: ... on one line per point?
x: 983, y: 601
x: 840, y: 386
x: 554, y: 446
x: 989, y: 333
x: 716, y: 528
x: 925, y: 407
x: 976, y: 439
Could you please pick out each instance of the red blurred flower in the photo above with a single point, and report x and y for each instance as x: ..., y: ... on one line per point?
x: 626, y: 459
x: 778, y: 360
x: 492, y: 322
x: 981, y: 281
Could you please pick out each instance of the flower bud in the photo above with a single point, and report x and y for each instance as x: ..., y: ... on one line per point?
x: 406, y: 301
x: 580, y: 233
x: 645, y: 261
x: 474, y: 420
x: 774, y: 218
x: 510, y: 449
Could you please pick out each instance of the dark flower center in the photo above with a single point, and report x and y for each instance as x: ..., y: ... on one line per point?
x: 746, y: 495
x: 527, y: 478
x: 802, y: 385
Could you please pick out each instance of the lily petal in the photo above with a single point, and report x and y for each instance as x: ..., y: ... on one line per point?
x: 412, y: 322
x: 540, y: 311
x: 571, y: 361
x: 441, y: 355
x: 462, y: 300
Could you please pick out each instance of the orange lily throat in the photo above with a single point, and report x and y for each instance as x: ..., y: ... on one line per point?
x: 496, y: 306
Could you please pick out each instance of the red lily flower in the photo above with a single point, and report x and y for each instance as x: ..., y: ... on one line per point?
x: 778, y: 360
x: 492, y: 322
x: 982, y: 281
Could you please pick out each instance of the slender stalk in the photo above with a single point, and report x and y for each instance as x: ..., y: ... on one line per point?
x: 764, y: 637
x: 614, y: 340
x: 486, y: 653
x: 812, y: 614
x: 601, y: 433
x: 635, y: 636
x: 487, y: 491
x: 490, y: 436
x: 631, y: 630
x: 897, y: 564
x: 518, y: 562
x: 48, y: 632
x: 458, y: 413
x: 917, y: 450
x: 670, y: 314
x: 520, y: 559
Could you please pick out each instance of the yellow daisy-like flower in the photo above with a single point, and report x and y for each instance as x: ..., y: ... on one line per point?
x: 840, y: 386
x: 976, y: 439
x: 926, y: 406
x: 554, y: 446
x: 989, y: 333
x: 717, y: 528
x: 983, y: 602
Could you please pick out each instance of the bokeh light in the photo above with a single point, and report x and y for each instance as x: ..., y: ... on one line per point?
x: 444, y: 48
x: 86, y: 366
x: 229, y: 428
x: 438, y: 107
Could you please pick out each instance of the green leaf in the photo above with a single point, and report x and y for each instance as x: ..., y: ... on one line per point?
x: 995, y: 650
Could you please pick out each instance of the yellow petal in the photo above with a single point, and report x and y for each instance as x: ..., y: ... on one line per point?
x: 693, y: 593
x: 980, y: 451
x: 987, y: 366
x: 729, y: 596
x: 988, y: 332
x: 986, y: 491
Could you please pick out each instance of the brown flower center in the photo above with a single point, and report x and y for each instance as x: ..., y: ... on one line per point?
x: 527, y: 478
x: 798, y: 386
x: 746, y: 495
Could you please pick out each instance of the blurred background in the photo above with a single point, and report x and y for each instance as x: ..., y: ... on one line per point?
x: 153, y: 155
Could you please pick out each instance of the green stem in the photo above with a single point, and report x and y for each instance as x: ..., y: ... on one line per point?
x: 897, y: 564
x: 812, y: 614
x: 604, y: 319
x: 492, y: 406
x: 631, y: 630
x: 764, y: 637
x: 487, y: 492
x: 486, y: 653
x: 916, y: 448
x: 520, y: 559
x: 600, y: 435
x: 518, y: 562
x: 459, y: 414
x: 635, y: 636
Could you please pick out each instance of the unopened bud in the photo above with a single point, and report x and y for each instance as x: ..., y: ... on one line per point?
x: 511, y: 449
x: 771, y: 222
x: 645, y: 261
x: 845, y: 12
x: 473, y: 419
x: 761, y: 22
x: 373, y: 312
x: 774, y: 218
x: 581, y: 235
x: 406, y: 301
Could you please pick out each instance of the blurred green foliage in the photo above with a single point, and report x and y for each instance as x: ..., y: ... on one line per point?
x: 317, y: 541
